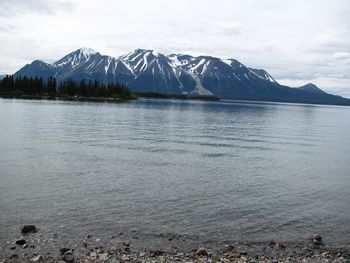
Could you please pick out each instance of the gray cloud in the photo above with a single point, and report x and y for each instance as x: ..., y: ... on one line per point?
x: 341, y: 55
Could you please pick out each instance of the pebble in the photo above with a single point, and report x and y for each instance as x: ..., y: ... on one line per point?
x: 64, y: 250
x: 37, y: 258
x: 202, y: 252
x: 26, y: 229
x: 281, y: 245
x: 21, y: 241
x: 68, y: 258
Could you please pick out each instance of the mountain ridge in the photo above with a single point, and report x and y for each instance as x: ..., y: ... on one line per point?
x: 145, y: 70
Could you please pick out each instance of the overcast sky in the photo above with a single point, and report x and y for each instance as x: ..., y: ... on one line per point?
x: 296, y: 41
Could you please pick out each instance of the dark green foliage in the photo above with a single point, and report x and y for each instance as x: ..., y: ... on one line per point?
x: 18, y: 86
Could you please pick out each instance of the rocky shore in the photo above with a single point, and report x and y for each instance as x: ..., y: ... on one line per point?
x: 28, y: 248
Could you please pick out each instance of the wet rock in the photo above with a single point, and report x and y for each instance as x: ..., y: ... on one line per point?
x: 154, y: 253
x: 68, y: 258
x: 27, y: 229
x: 233, y: 255
x: 20, y: 241
x: 281, y: 245
x: 104, y: 256
x: 13, y: 256
x: 38, y: 258
x: 228, y: 247
x: 64, y: 250
x: 317, y: 239
x: 202, y: 252
x: 272, y: 243
x: 306, y: 248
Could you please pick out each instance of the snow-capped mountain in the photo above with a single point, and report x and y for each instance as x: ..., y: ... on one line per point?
x: 149, y: 71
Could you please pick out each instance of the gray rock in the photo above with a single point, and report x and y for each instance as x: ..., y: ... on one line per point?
x: 202, y: 252
x: 21, y: 241
x: 68, y: 258
x: 12, y: 247
x: 26, y: 229
x: 64, y: 250
x: 37, y: 258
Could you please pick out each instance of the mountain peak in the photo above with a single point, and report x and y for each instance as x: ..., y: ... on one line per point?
x: 312, y: 88
x: 86, y: 51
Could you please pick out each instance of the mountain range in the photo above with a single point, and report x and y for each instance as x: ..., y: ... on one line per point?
x: 149, y: 71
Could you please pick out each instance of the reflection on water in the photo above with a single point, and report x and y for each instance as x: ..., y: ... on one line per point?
x: 211, y: 170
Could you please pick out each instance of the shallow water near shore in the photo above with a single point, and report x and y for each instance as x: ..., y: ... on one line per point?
x: 158, y: 171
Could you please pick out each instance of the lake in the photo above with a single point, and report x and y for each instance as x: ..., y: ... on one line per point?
x: 190, y: 170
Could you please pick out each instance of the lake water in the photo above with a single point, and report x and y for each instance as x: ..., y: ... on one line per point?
x: 200, y: 171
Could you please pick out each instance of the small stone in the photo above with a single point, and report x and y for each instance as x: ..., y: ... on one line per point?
x: 113, y: 250
x: 154, y: 253
x: 93, y: 255
x: 272, y: 243
x: 317, y: 237
x: 126, y: 243
x: 64, y: 250
x: 25, y: 246
x: 306, y: 248
x: 143, y: 254
x: 202, y: 252
x: 26, y: 229
x: 281, y: 245
x: 20, y: 241
x: 228, y: 247
x: 104, y: 256
x: 68, y: 258
x: 12, y: 247
x: 235, y: 255
x: 37, y: 258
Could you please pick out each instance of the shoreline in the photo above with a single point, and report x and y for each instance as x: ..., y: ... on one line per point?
x: 33, y: 247
x: 108, y: 99
x: 81, y: 99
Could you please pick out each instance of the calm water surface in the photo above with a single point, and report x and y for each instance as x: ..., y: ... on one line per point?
x: 207, y: 171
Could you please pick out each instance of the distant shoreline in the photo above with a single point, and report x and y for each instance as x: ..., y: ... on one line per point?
x: 111, y: 99
x: 82, y: 99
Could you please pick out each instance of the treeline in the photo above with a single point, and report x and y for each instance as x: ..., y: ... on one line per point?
x: 28, y: 86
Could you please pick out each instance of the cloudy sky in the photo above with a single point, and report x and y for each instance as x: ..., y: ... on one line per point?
x: 297, y: 41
